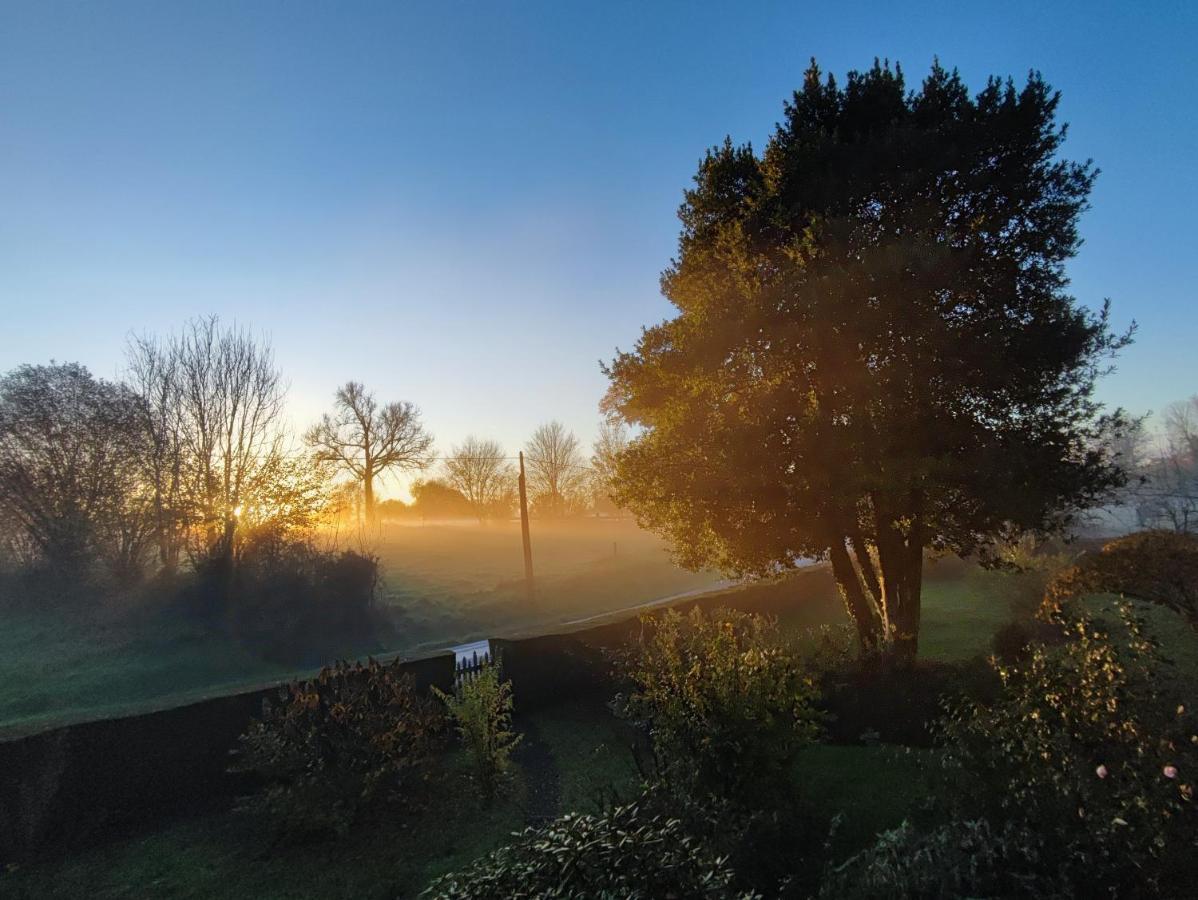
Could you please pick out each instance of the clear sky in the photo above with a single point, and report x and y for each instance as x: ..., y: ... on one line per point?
x: 469, y: 205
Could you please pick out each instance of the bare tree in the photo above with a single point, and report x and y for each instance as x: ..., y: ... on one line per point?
x: 1170, y: 497
x: 479, y: 470
x: 153, y: 373
x: 367, y: 440
x: 556, y: 471
x: 612, y: 439
x: 230, y: 400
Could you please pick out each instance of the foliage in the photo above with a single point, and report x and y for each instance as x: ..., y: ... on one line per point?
x: 1084, y: 750
x: 624, y: 854
x: 70, y: 456
x: 875, y: 352
x: 958, y: 859
x: 1158, y: 566
x: 434, y: 498
x: 329, y: 748
x: 726, y: 702
x: 288, y: 600
x: 481, y: 708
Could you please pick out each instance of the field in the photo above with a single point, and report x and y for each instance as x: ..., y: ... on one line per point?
x: 442, y: 584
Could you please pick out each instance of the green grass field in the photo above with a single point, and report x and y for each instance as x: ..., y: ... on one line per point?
x: 442, y: 584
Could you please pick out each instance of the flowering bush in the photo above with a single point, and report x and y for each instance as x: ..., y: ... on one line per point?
x: 1085, y: 750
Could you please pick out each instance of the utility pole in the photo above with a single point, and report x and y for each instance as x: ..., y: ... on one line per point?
x: 524, y: 531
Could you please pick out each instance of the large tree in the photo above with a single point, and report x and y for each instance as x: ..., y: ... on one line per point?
x: 367, y: 440
x: 70, y: 457
x: 875, y: 351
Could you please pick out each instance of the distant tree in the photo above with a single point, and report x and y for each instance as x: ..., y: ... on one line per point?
x: 434, y: 499
x: 1169, y: 496
x: 478, y: 469
x: 368, y: 440
x: 70, y: 451
x: 611, y: 441
x: 392, y: 510
x: 556, y: 472
x: 875, y: 353
x: 153, y: 373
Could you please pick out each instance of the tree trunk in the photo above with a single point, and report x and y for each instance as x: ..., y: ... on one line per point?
x: 368, y: 494
x: 860, y: 609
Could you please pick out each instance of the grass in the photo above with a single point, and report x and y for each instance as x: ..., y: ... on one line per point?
x: 443, y: 584
x: 224, y: 855
x: 584, y: 759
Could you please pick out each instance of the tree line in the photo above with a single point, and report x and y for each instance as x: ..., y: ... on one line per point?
x: 184, y: 457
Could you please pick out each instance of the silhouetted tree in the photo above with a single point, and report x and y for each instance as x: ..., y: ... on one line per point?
x: 478, y: 469
x: 555, y: 469
x: 367, y: 440
x: 875, y: 352
x: 434, y: 499
x: 70, y: 454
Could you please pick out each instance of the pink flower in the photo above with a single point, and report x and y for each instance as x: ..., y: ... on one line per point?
x: 1101, y: 771
x: 1170, y: 771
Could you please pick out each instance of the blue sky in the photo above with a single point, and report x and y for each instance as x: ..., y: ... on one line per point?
x: 469, y: 205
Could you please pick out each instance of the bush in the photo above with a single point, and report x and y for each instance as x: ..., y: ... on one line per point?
x: 481, y: 708
x: 625, y: 853
x: 289, y: 601
x: 959, y: 859
x: 727, y: 704
x: 1084, y: 751
x: 332, y: 747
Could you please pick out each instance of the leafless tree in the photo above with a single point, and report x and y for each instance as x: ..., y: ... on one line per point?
x: 153, y: 373
x: 368, y: 440
x: 556, y: 472
x: 1170, y: 497
x: 228, y: 399
x: 479, y: 470
x: 611, y: 440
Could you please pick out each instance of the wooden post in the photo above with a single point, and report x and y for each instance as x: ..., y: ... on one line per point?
x: 524, y: 531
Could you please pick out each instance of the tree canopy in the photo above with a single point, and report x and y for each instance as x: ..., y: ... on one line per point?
x: 875, y: 351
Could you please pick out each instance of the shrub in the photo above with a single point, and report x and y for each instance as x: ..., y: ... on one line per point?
x: 481, y: 708
x: 958, y: 859
x: 727, y: 704
x: 331, y: 747
x: 623, y: 854
x: 289, y: 601
x: 1083, y: 750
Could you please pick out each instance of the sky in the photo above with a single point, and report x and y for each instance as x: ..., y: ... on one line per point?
x: 468, y: 205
